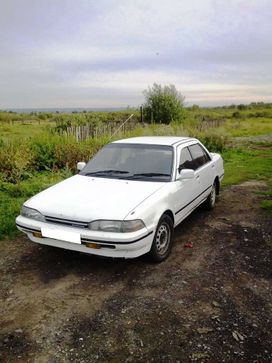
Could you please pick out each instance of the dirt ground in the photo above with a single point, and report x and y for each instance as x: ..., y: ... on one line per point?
x: 209, y: 303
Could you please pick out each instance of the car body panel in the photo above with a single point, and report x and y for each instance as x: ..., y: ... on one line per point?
x: 129, y: 248
x: 85, y: 198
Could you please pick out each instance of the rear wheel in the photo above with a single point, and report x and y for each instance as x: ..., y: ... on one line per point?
x: 210, y: 202
x: 163, y: 239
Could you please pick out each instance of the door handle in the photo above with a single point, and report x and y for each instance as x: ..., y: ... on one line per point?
x: 212, y: 165
x: 197, y: 177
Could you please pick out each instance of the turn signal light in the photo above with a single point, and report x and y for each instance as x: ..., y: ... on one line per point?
x: 93, y: 245
x: 37, y: 234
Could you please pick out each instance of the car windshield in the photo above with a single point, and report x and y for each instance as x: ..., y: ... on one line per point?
x: 132, y: 162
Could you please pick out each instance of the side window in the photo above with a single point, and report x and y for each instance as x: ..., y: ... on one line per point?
x: 207, y: 156
x: 199, y: 156
x: 186, y: 161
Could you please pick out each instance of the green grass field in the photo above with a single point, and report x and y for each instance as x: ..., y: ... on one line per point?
x: 245, y: 163
x: 34, y: 155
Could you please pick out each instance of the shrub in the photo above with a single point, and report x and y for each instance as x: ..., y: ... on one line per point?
x: 43, y: 149
x: 15, y: 162
x: 67, y: 154
x: 214, y: 141
x: 236, y: 114
x: 163, y: 104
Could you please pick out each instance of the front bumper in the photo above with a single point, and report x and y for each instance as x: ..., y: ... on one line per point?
x: 125, y: 245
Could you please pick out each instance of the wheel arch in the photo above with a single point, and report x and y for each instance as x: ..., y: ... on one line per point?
x: 170, y: 214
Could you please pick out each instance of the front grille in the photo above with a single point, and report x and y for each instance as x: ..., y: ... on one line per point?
x: 67, y: 222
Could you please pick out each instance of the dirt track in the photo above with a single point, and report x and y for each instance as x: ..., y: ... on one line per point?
x: 210, y: 303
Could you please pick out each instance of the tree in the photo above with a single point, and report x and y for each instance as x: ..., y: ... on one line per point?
x: 163, y: 104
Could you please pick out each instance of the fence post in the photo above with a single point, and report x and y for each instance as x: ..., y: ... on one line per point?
x: 142, y: 114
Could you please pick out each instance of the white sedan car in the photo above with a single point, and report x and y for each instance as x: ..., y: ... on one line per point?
x: 126, y: 201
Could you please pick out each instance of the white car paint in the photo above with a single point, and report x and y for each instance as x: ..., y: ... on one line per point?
x: 71, y: 204
x: 89, y: 198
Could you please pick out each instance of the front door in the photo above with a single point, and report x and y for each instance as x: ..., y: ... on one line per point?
x: 186, y: 190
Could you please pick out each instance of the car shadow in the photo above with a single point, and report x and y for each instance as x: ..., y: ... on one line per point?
x: 52, y: 263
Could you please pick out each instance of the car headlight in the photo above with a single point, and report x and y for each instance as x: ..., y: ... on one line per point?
x: 31, y: 213
x: 116, y: 226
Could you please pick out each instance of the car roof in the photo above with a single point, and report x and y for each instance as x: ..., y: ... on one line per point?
x: 155, y: 140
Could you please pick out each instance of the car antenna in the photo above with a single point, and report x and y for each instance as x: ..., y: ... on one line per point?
x: 121, y: 126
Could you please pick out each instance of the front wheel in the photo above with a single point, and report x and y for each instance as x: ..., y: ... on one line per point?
x: 163, y: 239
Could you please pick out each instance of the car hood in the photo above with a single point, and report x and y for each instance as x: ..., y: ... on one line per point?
x: 86, y: 198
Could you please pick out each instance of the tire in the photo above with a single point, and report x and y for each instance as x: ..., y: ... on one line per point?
x: 163, y: 240
x: 210, y: 202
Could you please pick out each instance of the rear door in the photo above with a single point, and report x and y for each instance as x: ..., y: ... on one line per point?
x: 204, y: 169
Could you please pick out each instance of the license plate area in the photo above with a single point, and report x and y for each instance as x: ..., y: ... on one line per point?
x: 66, y: 236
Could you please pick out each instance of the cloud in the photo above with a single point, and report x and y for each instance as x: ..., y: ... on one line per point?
x: 105, y: 53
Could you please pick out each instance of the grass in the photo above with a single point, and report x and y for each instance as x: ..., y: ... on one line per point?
x: 244, y: 164
x: 22, y: 131
x: 12, y: 196
x: 248, y: 127
x: 267, y: 205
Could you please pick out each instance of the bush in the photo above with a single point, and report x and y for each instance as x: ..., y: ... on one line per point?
x: 237, y: 114
x: 67, y: 154
x: 44, y: 151
x: 15, y: 162
x: 163, y: 104
x: 213, y: 141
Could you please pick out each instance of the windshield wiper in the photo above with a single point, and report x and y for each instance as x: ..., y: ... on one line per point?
x: 107, y: 171
x: 139, y: 175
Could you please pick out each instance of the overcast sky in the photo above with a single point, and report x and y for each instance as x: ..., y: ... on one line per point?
x: 104, y: 53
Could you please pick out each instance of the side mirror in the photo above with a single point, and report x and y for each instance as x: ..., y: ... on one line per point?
x: 81, y: 165
x: 186, y: 174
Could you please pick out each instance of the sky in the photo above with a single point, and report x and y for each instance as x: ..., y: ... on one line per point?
x: 104, y: 53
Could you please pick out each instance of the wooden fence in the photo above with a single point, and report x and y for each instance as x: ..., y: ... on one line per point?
x: 207, y: 124
x: 83, y: 132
